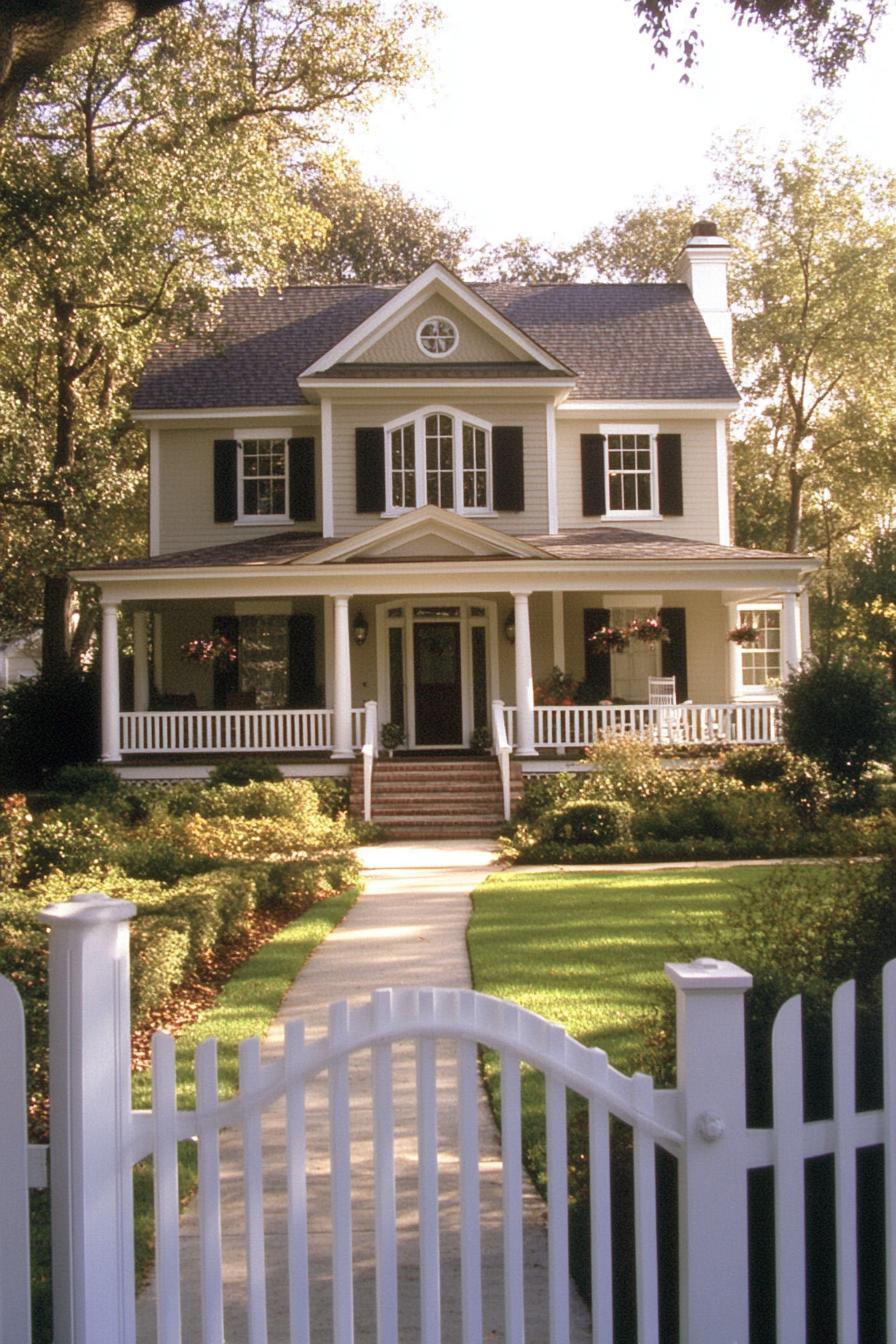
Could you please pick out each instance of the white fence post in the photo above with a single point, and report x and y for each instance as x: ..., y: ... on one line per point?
x: 90, y: 1120
x: 712, y: 1179
x: 15, y: 1273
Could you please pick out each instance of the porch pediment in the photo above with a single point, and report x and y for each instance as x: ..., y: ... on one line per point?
x: 427, y: 533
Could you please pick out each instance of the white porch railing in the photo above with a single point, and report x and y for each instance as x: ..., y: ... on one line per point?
x: 561, y: 727
x: 502, y: 751
x: 96, y: 1138
x: 212, y: 730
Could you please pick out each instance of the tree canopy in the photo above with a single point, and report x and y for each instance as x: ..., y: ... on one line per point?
x: 829, y: 34
x: 144, y: 173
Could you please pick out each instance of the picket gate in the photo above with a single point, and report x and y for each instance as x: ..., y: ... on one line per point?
x: 96, y: 1139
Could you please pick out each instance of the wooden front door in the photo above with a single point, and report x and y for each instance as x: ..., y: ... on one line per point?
x: 438, y: 716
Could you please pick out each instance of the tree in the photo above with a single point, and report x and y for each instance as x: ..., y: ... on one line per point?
x: 520, y: 261
x: 815, y: 334
x: 829, y: 34
x: 641, y: 244
x: 145, y: 172
x: 376, y: 235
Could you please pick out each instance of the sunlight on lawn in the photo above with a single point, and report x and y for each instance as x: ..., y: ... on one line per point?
x: 587, y: 951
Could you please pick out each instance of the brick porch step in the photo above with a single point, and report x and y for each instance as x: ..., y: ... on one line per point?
x: 436, y: 798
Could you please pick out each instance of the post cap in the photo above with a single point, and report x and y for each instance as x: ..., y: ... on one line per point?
x: 707, y: 973
x: 88, y: 907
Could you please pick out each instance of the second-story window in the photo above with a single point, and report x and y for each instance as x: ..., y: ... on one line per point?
x: 631, y: 486
x: 439, y: 457
x: 263, y: 478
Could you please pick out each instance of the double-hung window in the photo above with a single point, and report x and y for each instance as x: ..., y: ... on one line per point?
x: 760, y: 662
x: 439, y: 456
x: 263, y: 479
x: 631, y: 471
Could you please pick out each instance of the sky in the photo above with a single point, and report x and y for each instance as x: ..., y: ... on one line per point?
x: 545, y: 126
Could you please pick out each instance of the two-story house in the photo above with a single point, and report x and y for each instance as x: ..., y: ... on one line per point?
x: 427, y: 496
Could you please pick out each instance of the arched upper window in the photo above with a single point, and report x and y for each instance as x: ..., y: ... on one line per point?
x: 439, y: 456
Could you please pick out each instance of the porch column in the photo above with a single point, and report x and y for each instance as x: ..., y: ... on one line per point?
x: 791, y: 644
x: 342, y: 682
x: 141, y: 660
x: 525, y: 716
x: 558, y: 626
x: 111, y: 690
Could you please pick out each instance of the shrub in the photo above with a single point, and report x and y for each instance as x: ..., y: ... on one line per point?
x: 74, y: 838
x: 754, y: 765
x: 78, y: 781
x: 331, y: 794
x: 597, y: 822
x: 253, y: 838
x: 160, y: 960
x: 14, y: 822
x: 625, y: 768
x: 45, y: 723
x: 161, y: 851
x: 840, y: 712
x: 244, y: 770
x: 545, y: 793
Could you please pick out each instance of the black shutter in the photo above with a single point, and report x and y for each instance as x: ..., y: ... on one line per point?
x: 668, y: 451
x: 225, y: 480
x: 226, y: 674
x: 370, y: 470
x: 302, y: 501
x: 594, y: 495
x: 302, y: 671
x: 675, y: 653
x: 508, y: 485
x: 597, y: 663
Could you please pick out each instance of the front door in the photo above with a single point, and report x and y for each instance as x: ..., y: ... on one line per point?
x: 437, y: 685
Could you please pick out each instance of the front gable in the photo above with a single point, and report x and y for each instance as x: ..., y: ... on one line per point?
x: 476, y: 344
x: 389, y: 336
x: 426, y: 533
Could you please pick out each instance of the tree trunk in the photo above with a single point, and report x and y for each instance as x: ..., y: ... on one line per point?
x: 794, y: 511
x: 56, y: 641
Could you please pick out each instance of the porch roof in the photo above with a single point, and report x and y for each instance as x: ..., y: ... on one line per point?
x: 595, y: 544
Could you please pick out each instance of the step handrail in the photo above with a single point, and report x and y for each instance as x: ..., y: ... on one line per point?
x: 369, y: 752
x: 502, y: 752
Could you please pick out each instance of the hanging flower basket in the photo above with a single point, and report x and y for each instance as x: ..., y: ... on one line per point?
x: 745, y: 634
x: 610, y: 639
x: 648, y: 630
x: 209, y: 649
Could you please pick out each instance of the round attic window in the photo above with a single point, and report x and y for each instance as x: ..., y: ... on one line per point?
x: 437, y: 336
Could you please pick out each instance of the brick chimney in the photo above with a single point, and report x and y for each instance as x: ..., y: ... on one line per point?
x: 702, y: 265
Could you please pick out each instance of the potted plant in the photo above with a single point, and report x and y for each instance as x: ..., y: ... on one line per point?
x: 557, y: 688
x: 481, y: 740
x: 392, y: 735
x: 745, y: 634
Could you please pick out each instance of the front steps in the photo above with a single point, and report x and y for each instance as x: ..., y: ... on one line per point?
x: 439, y: 798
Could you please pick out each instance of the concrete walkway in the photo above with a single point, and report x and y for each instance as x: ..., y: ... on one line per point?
x: 408, y: 928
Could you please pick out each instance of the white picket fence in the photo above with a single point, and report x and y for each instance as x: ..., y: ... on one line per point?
x: 96, y: 1139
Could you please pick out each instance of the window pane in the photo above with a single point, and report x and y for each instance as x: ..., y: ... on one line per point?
x: 263, y: 659
x: 264, y: 477
x: 629, y: 459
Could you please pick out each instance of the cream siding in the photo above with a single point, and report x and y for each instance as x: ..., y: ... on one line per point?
x: 496, y: 411
x: 700, y: 483
x: 186, y: 488
x: 399, y: 346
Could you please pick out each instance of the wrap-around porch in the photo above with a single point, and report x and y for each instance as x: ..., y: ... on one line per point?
x: 444, y: 669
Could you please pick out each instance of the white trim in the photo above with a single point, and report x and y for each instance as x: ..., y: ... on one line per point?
x: 326, y: 467
x: 722, y: 468
x: 261, y: 519
x: 623, y: 515
x: 155, y: 493
x: 437, y: 354
x: 458, y: 420
x: 450, y: 525
x: 435, y: 277
x: 227, y: 414
x: 551, y: 436
x: 691, y: 410
x: 385, y: 385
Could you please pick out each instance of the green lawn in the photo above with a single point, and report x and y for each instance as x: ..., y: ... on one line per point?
x: 587, y: 950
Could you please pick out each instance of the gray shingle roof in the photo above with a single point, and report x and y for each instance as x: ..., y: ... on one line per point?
x: 624, y: 342
x: 598, y: 544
